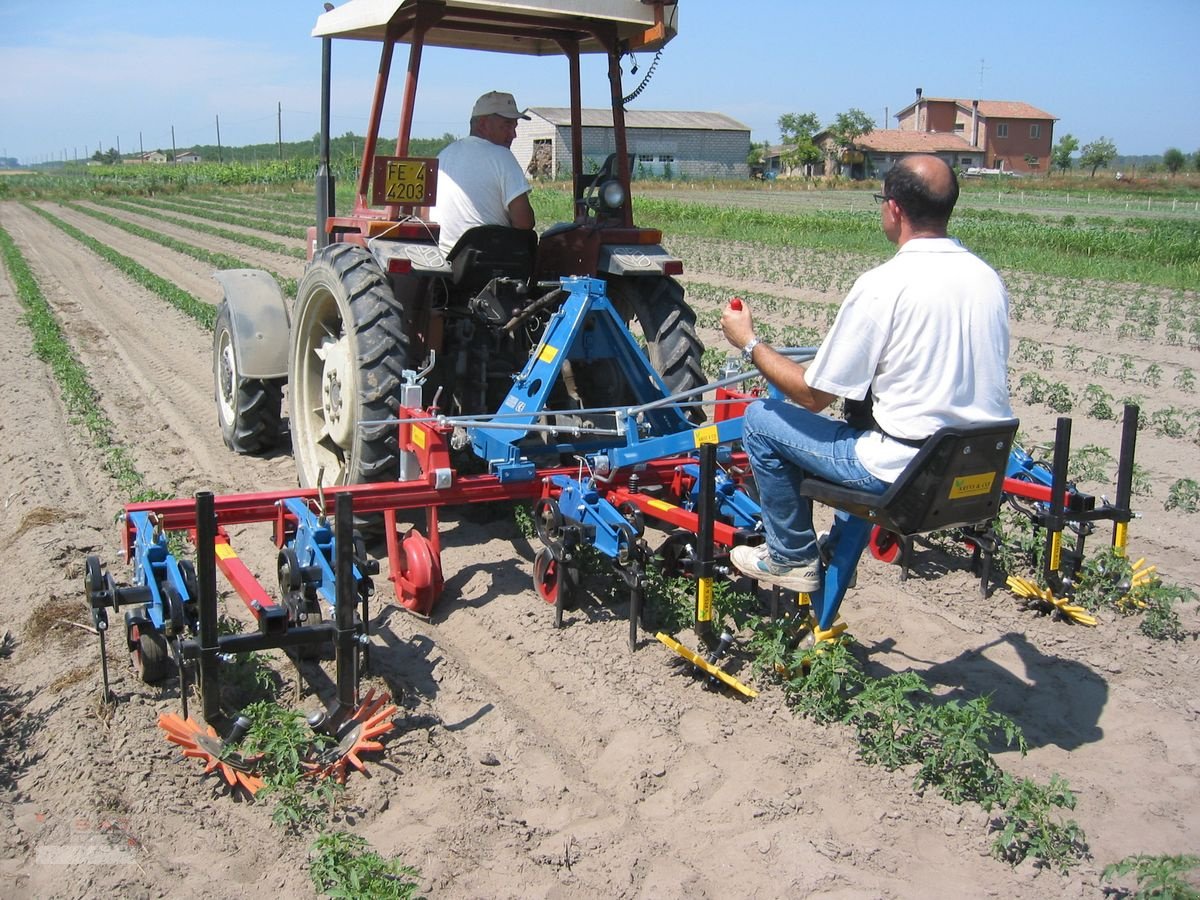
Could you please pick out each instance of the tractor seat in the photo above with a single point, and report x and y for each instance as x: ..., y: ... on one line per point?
x: 955, y: 479
x: 492, y: 251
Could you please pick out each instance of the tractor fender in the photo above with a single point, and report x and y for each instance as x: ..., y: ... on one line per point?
x: 260, y: 322
x: 421, y: 257
x: 637, y: 260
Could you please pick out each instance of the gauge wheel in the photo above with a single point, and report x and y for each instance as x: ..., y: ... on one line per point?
x: 249, y: 410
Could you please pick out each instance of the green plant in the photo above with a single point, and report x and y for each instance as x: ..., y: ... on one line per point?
x: 343, y: 865
x: 1185, y: 381
x: 283, y: 743
x: 1184, y: 495
x: 1157, y: 876
x: 1090, y: 462
x: 826, y: 678
x: 1058, y: 397
x: 1029, y: 826
x: 1098, y: 402
x: 953, y: 752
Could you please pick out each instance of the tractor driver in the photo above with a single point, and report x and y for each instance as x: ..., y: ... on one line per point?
x: 924, y: 336
x: 479, y: 180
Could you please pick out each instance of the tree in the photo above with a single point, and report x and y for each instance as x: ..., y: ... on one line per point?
x: 1060, y: 156
x: 1174, y: 159
x: 796, y: 132
x: 849, y: 127
x: 1098, y: 154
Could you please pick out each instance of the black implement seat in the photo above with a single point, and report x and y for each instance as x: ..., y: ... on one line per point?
x: 955, y: 479
x: 492, y: 251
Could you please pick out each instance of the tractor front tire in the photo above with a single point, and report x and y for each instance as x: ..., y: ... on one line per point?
x: 348, y: 353
x: 249, y: 410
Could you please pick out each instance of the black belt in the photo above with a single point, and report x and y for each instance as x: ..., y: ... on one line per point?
x: 908, y: 442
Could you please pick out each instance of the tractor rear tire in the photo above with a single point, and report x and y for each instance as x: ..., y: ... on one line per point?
x: 248, y: 409
x: 348, y: 353
x: 669, y: 325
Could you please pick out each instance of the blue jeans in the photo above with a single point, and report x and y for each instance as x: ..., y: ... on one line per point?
x: 786, y: 443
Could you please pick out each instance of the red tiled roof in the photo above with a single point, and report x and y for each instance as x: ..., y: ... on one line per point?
x: 894, y: 141
x: 996, y: 109
x: 1006, y: 109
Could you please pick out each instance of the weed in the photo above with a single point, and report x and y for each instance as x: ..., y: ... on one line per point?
x: 344, y: 865
x: 1185, y: 381
x: 1157, y: 876
x: 523, y: 519
x: 1029, y: 827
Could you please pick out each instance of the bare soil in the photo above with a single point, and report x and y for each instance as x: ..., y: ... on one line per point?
x: 530, y: 762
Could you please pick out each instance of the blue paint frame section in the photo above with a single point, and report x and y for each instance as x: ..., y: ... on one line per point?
x: 316, y: 547
x: 155, y: 567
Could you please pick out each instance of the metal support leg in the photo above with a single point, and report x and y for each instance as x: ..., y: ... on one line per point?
x: 345, y: 634
x: 206, y: 577
x: 849, y: 537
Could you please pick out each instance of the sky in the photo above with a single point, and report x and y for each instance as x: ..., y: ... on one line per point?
x: 75, y: 76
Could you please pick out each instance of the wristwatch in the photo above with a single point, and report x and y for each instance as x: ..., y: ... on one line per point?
x: 748, y: 350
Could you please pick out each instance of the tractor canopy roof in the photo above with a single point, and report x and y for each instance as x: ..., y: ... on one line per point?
x: 533, y: 27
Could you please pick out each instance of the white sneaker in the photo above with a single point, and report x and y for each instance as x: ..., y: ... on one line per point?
x: 757, y: 563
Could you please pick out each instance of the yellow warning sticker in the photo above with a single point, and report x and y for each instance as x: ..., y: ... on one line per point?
x: 225, y: 551
x: 548, y: 353
x: 418, y: 438
x: 661, y: 505
x: 705, y: 435
x: 1055, y: 551
x: 704, y: 600
x: 972, y: 485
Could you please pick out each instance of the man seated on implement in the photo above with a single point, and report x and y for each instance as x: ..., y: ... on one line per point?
x: 924, y: 336
x: 479, y: 180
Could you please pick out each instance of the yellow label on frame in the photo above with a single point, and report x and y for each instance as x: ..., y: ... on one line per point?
x: 548, y: 353
x: 705, y: 435
x: 972, y: 485
x: 662, y: 505
x: 418, y: 437
x: 1055, y: 550
x: 224, y: 551
x: 704, y: 600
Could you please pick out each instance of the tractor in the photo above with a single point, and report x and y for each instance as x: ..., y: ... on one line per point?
x: 379, y: 301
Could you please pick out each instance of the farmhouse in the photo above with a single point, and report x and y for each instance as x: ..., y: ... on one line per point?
x: 873, y: 154
x: 150, y: 156
x: 187, y: 156
x: 1012, y: 136
x: 692, y: 144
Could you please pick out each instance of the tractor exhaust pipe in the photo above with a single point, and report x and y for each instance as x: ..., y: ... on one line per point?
x: 325, y: 180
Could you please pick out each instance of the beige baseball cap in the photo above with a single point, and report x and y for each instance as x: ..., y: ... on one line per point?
x: 497, y: 103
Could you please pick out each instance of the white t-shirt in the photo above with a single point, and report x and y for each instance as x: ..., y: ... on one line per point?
x: 476, y: 181
x: 927, y: 334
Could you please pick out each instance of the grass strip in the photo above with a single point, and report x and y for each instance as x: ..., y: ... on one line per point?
x: 238, y: 237
x: 216, y: 260
x: 257, y: 223
x: 81, y: 399
x: 186, y: 303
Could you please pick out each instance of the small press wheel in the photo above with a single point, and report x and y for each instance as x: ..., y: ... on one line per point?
x: 554, y: 582
x: 149, y: 654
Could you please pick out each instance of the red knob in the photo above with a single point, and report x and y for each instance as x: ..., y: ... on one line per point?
x: 735, y: 303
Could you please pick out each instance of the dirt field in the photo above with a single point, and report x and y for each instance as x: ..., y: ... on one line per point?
x: 529, y: 762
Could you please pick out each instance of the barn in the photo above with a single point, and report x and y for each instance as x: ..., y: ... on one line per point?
x: 663, y: 144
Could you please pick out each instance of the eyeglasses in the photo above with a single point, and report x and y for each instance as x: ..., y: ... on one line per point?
x: 879, y: 198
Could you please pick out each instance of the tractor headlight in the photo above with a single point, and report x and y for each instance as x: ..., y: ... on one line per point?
x: 612, y: 195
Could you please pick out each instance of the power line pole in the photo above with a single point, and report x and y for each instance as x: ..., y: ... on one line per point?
x: 219, y: 139
x: 174, y: 155
x: 279, y: 128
